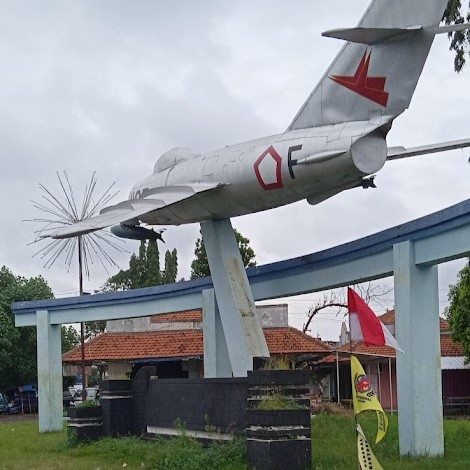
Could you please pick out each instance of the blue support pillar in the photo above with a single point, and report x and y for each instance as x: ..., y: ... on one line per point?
x: 49, y: 374
x: 419, y: 368
x: 242, y: 329
x: 216, y: 358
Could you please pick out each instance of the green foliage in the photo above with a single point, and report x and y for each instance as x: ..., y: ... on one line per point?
x: 88, y: 404
x: 93, y: 328
x: 70, y: 338
x: 18, y: 363
x: 72, y: 439
x: 208, y: 427
x: 200, y: 264
x: 459, y: 40
x: 278, y: 363
x: 153, y: 276
x: 458, y: 312
x: 144, y: 269
x: 123, y: 280
x: 180, y: 426
x: 97, y: 374
x: 278, y: 401
x: 178, y: 453
x: 335, y: 448
x: 171, y: 267
x: 333, y: 444
x: 186, y: 453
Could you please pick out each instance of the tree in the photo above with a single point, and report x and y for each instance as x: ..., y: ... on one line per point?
x: 70, y: 338
x: 151, y: 273
x: 18, y: 351
x: 337, y: 300
x: 458, y: 312
x: 93, y: 328
x: 171, y: 267
x: 200, y: 265
x: 144, y: 269
x: 459, y: 40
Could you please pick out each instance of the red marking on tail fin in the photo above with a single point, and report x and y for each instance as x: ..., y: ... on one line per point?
x: 371, y: 88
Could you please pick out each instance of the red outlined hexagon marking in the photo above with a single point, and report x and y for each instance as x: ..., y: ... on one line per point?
x: 276, y: 160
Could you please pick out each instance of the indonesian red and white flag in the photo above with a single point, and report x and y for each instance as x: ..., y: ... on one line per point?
x: 365, y: 326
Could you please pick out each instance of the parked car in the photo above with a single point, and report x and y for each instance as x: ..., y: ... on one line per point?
x: 3, y: 404
x: 25, y: 399
x: 8, y: 407
x: 67, y: 399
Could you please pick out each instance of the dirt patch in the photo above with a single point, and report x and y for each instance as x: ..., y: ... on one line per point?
x: 17, y: 418
x: 333, y: 409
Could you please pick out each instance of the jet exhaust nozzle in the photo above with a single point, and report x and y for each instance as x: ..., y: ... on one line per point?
x: 134, y: 232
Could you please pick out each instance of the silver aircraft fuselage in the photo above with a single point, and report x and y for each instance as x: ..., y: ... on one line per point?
x: 312, y: 164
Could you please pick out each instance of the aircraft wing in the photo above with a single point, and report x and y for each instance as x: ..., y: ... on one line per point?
x: 132, y: 209
x: 395, y: 153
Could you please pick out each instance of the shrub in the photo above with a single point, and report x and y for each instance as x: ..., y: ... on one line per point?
x: 88, y: 404
x: 277, y: 401
x: 278, y: 363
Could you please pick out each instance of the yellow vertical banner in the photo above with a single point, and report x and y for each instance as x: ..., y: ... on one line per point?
x: 367, y: 459
x: 364, y: 397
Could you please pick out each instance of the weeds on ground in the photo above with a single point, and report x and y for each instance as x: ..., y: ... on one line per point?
x: 181, y: 452
x: 88, y: 404
x: 186, y: 453
x: 278, y: 401
x: 72, y: 440
x: 278, y: 363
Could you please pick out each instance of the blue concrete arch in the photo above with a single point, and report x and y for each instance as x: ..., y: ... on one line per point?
x: 411, y: 252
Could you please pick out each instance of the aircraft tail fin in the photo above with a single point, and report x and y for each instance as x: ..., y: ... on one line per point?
x: 375, y: 74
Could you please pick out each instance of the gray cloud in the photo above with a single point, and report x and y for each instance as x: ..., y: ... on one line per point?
x: 109, y: 86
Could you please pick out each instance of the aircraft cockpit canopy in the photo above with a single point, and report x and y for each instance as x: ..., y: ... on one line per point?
x: 174, y: 156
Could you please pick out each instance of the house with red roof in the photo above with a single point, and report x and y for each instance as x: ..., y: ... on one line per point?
x: 174, y: 344
x: 379, y: 363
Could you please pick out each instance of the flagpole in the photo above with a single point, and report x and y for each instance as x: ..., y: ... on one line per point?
x: 371, y: 331
x: 352, y: 383
x: 337, y: 377
x: 390, y: 382
x: 379, y: 382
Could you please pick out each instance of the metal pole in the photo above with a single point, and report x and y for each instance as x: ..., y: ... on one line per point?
x: 337, y: 376
x: 390, y: 383
x: 379, y: 382
x: 350, y: 365
x: 82, y: 326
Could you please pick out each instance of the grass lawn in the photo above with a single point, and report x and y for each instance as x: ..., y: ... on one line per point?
x: 334, y: 446
x: 22, y: 447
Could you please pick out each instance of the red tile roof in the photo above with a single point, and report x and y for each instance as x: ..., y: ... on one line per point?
x: 181, y: 344
x: 450, y: 347
x: 443, y: 325
x: 185, y: 316
x: 388, y: 318
x: 139, y: 345
x: 290, y: 340
x: 358, y: 347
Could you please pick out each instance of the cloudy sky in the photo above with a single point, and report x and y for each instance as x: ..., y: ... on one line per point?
x: 108, y: 86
